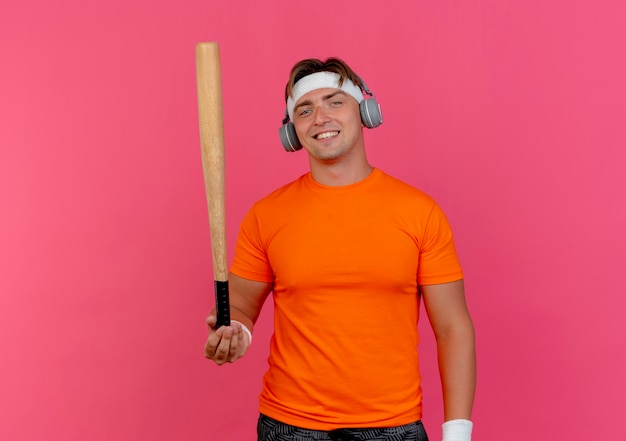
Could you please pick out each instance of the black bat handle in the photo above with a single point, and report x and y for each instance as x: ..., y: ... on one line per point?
x: 222, y: 306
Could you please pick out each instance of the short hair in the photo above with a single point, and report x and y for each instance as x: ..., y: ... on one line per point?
x: 313, y: 65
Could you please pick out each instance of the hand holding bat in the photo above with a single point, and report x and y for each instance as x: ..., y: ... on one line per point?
x: 225, y: 344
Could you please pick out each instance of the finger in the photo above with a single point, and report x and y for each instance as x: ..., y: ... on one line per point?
x: 235, y: 342
x: 223, y: 348
x: 244, y: 343
x: 213, y: 341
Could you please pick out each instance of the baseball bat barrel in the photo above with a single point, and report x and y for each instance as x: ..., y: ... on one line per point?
x: 211, y: 119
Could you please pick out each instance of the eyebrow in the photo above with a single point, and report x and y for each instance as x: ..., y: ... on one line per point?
x: 324, y: 98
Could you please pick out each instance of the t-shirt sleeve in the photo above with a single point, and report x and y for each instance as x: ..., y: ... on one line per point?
x: 250, y: 260
x: 438, y: 262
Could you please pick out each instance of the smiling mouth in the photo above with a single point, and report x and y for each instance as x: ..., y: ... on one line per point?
x: 326, y: 135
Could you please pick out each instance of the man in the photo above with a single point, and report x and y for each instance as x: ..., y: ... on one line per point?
x: 348, y: 252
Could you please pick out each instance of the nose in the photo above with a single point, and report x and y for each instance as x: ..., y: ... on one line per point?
x: 321, y: 115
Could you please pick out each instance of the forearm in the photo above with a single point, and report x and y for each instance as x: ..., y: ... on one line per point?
x: 246, y: 299
x: 238, y: 313
x: 240, y: 316
x: 457, y: 367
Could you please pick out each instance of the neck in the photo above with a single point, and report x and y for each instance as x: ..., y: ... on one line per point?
x: 339, y: 173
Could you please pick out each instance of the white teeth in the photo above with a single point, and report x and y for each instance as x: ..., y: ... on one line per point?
x: 327, y: 135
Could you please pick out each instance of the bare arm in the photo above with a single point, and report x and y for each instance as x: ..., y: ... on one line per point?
x: 228, y: 343
x: 454, y: 333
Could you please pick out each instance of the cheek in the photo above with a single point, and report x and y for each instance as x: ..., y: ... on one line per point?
x: 301, y: 129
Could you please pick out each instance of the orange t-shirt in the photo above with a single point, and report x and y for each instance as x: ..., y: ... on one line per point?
x: 346, y: 263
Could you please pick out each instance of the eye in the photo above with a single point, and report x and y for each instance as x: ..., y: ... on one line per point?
x: 304, y: 112
x: 336, y: 103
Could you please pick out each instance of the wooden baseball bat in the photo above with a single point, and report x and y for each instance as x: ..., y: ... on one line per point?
x: 211, y: 117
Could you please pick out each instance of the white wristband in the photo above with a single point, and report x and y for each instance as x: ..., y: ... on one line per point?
x: 457, y: 430
x: 245, y: 329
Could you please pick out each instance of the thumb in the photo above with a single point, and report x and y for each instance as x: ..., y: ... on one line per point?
x: 211, y: 321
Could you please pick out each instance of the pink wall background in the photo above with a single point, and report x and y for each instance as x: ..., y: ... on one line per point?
x: 511, y: 114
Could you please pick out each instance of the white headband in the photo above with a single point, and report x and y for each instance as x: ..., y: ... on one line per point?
x: 321, y: 80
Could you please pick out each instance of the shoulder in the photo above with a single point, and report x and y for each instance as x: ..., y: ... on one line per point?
x: 282, y: 196
x: 401, y: 189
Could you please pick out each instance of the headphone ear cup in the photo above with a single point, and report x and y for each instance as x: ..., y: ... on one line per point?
x: 288, y: 137
x: 371, y: 115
